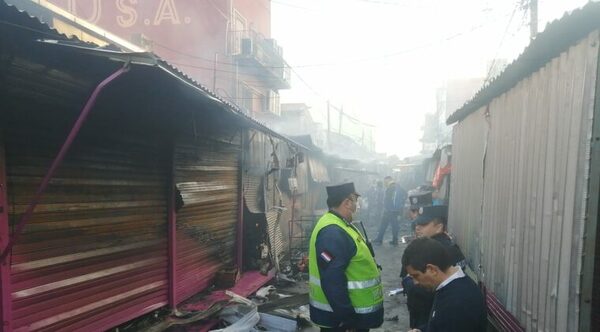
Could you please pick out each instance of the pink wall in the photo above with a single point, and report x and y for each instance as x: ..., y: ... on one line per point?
x: 258, y: 14
x: 185, y: 33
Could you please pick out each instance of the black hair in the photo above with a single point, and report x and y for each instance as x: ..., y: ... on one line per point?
x: 333, y: 202
x: 423, y: 251
x: 440, y: 220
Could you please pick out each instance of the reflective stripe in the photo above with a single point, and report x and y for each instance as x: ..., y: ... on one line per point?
x: 314, y: 280
x: 368, y: 310
x: 362, y: 310
x: 321, y: 306
x: 351, y: 284
x: 364, y: 284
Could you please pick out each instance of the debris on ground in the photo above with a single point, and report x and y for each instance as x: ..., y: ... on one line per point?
x: 245, y: 317
x: 241, y: 317
x: 396, y: 291
x: 286, y: 302
x: 391, y: 319
x: 271, y: 308
x: 182, y: 318
x: 264, y: 292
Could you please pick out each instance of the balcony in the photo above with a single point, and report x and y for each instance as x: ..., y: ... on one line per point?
x: 261, y: 57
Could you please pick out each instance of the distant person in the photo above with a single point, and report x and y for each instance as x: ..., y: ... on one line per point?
x: 393, y: 205
x: 346, y: 293
x: 458, y: 303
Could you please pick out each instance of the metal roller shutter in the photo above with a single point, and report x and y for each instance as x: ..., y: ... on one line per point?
x: 94, y: 253
x: 206, y: 174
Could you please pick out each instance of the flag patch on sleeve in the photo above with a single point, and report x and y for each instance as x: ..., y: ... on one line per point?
x: 327, y: 257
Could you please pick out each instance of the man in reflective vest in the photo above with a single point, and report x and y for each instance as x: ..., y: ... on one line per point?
x: 345, y: 284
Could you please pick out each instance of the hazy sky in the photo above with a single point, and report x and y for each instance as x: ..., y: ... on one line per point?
x: 383, y: 59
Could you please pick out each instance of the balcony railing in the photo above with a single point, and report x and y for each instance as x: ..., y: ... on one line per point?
x: 262, y: 54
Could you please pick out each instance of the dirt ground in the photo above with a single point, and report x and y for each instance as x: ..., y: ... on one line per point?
x: 396, y: 314
x: 389, y: 258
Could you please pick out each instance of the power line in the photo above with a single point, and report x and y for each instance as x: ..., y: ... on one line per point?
x: 348, y: 61
x: 489, y: 74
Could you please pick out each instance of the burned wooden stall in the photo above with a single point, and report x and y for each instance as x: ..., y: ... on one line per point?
x: 119, y: 182
x: 305, y: 189
x: 313, y: 177
x: 525, y: 181
x: 269, y: 196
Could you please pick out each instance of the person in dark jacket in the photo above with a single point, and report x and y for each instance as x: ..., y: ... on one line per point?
x: 338, y: 252
x: 458, y: 303
x: 393, y: 205
x: 430, y: 222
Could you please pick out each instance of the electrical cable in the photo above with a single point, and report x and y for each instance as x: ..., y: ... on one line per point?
x: 489, y: 74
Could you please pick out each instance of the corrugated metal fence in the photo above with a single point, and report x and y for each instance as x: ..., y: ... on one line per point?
x: 519, y: 188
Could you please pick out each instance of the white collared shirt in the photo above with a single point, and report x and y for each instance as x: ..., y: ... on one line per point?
x: 456, y: 275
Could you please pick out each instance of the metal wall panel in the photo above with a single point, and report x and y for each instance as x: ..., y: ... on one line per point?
x: 275, y: 236
x: 206, y: 174
x: 94, y: 253
x: 264, y: 162
x: 253, y: 193
x: 318, y: 170
x: 534, y: 189
x: 466, y: 189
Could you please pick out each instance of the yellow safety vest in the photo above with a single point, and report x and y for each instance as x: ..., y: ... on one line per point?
x: 364, y: 280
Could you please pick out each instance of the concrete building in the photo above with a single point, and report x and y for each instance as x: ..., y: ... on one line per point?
x: 224, y: 45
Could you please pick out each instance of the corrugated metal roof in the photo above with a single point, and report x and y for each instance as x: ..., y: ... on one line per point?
x: 556, y: 38
x: 12, y: 16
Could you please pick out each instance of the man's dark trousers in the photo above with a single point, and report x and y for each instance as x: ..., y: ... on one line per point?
x: 389, y: 217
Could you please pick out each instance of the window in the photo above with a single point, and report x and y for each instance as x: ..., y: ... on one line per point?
x: 238, y: 32
x: 273, y: 102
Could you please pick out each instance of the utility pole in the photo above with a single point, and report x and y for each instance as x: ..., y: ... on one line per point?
x: 533, y: 11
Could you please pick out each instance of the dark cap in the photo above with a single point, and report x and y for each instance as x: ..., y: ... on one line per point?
x: 428, y: 213
x: 341, y: 190
x: 419, y: 199
x: 336, y: 194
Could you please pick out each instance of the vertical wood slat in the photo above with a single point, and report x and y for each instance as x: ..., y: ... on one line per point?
x: 535, y: 189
